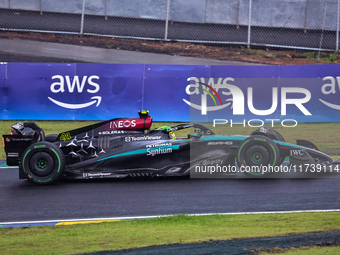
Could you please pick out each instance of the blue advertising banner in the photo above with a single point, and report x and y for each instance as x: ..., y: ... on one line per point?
x: 3, y: 88
x: 59, y: 91
x: 266, y: 94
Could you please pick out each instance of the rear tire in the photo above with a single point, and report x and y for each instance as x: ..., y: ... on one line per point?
x: 43, y: 163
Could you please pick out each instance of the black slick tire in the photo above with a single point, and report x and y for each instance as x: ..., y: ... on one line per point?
x: 42, y: 163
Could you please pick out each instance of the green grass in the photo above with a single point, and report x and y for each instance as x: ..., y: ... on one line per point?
x: 325, y: 135
x: 323, y: 57
x: 315, y: 251
x: 85, y: 238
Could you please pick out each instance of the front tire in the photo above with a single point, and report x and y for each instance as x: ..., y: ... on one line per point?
x: 43, y: 163
x: 257, y: 155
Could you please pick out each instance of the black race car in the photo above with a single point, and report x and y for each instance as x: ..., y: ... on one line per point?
x: 127, y: 147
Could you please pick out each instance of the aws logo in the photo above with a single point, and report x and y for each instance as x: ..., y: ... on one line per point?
x: 194, y: 89
x: 330, y: 89
x: 204, y: 97
x: 86, y: 84
x: 203, y: 106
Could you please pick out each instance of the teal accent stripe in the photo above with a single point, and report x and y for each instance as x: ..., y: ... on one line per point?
x: 205, y: 138
x: 231, y: 138
x: 291, y: 145
x: 241, y: 138
x: 141, y: 151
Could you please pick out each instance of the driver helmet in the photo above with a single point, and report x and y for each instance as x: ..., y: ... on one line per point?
x: 171, y: 134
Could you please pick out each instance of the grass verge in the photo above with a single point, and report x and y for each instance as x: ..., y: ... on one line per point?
x: 85, y: 238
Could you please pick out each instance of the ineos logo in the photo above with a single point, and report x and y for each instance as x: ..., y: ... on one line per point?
x: 122, y: 124
x: 71, y: 85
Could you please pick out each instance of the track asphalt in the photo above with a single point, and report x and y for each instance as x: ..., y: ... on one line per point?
x: 237, y: 246
x: 35, y: 51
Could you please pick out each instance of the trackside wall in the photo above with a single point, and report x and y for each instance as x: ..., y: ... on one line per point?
x: 58, y: 91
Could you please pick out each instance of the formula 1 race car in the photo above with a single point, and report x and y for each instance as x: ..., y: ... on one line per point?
x: 127, y: 147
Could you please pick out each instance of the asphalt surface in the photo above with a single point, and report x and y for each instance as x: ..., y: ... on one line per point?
x: 35, y: 51
x: 236, y: 246
x: 22, y: 201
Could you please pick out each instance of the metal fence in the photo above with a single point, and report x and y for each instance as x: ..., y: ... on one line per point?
x: 297, y: 24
